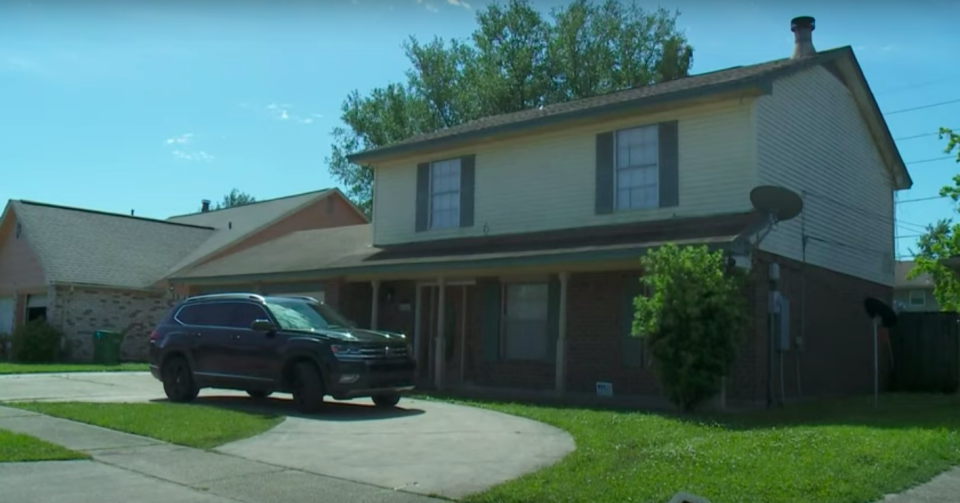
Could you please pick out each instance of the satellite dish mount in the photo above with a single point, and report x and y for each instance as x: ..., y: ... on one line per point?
x: 777, y: 204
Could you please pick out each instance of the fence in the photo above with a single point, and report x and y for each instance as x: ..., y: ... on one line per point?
x: 926, y: 353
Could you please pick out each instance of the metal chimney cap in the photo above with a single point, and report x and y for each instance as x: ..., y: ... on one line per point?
x: 803, y: 22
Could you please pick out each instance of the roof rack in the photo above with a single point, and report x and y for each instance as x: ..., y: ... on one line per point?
x: 227, y: 296
x: 301, y: 297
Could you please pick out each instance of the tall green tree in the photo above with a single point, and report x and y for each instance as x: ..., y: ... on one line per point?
x: 517, y: 58
x: 234, y: 198
x: 942, y: 240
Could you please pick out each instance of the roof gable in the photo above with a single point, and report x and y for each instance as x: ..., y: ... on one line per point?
x: 75, y: 245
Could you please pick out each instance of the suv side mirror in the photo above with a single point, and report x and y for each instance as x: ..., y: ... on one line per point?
x: 262, y: 326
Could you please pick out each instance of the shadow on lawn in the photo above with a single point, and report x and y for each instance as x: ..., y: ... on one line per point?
x: 895, y: 411
x: 333, y: 411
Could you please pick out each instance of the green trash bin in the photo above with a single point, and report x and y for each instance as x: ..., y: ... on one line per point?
x: 106, y: 347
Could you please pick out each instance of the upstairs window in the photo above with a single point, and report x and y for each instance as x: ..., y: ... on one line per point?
x: 445, y: 194
x: 636, y: 181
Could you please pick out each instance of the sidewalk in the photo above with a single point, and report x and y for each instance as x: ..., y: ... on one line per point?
x: 132, y: 468
x: 944, y: 487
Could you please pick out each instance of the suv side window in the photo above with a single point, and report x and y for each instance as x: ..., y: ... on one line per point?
x: 243, y: 314
x: 210, y: 315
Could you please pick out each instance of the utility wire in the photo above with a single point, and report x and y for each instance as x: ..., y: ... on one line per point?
x: 919, y: 199
x: 933, y: 159
x: 914, y: 86
x: 922, y: 107
x: 924, y: 135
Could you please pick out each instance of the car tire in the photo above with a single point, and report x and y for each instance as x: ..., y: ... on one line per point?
x: 386, y: 401
x: 178, y: 383
x: 307, y: 388
x: 258, y: 394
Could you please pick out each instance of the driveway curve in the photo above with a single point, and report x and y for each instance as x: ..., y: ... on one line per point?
x: 424, y: 447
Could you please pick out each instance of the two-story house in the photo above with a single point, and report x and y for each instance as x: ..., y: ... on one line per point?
x: 509, y: 246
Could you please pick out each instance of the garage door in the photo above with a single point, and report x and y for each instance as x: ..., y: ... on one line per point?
x: 7, y: 310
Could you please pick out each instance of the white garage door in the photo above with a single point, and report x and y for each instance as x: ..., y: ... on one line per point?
x: 7, y: 310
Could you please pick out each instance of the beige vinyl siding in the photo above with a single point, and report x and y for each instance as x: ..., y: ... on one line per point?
x: 548, y: 181
x: 811, y: 137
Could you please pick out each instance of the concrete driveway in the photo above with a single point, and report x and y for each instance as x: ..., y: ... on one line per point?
x: 422, y: 447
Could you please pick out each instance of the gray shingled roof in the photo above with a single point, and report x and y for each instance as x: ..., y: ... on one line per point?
x: 234, y: 224
x: 900, y: 279
x: 610, y: 102
x: 82, y: 246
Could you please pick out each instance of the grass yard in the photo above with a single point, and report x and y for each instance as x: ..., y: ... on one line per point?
x: 15, y: 447
x: 190, y: 425
x: 838, y: 451
x: 53, y: 368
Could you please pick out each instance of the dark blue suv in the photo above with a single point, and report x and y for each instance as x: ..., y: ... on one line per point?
x: 266, y: 344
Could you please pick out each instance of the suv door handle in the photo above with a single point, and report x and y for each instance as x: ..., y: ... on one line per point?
x: 197, y: 334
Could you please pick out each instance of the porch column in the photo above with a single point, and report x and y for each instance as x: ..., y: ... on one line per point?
x: 561, y: 367
x: 375, y: 308
x: 439, y: 361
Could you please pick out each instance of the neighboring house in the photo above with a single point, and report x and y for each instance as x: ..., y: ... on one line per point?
x: 85, y: 270
x: 508, y: 246
x: 915, y: 294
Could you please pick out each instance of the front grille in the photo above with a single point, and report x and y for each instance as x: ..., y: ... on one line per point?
x: 383, y: 352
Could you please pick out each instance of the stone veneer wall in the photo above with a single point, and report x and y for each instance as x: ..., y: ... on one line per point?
x: 81, y: 311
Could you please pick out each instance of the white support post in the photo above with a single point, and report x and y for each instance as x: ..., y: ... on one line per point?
x: 375, y: 308
x: 440, y: 353
x: 561, y: 366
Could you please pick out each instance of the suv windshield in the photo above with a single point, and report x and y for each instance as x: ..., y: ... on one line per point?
x: 300, y: 315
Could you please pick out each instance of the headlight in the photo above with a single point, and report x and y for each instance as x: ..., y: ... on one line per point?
x: 340, y: 350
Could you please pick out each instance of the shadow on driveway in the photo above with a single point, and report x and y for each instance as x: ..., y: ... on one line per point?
x: 333, y: 411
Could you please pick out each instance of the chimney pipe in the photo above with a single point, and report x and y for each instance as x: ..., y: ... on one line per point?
x: 131, y: 213
x: 802, y: 28
x: 205, y: 205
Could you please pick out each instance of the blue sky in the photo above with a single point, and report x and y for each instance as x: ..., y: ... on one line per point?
x: 154, y: 106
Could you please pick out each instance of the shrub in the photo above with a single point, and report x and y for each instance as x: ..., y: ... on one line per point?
x: 35, y: 342
x: 693, y: 319
x: 4, y: 350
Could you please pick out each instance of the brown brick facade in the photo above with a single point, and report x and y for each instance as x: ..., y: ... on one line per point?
x: 836, y: 356
x: 80, y: 312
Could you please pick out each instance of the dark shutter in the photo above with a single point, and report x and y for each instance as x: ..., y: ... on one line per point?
x: 604, y: 197
x: 423, y: 196
x: 467, y: 182
x: 553, y: 317
x: 490, y: 293
x: 669, y: 164
x: 631, y: 354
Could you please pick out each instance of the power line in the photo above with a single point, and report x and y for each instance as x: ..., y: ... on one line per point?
x: 870, y: 213
x: 924, y: 135
x: 919, y: 199
x: 921, y: 107
x: 914, y: 86
x: 921, y: 161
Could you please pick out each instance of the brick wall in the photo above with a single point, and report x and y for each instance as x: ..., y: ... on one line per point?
x: 80, y: 312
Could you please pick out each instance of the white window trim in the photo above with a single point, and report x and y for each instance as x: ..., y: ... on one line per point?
x: 505, y: 299
x: 923, y: 298
x: 616, y: 169
x: 430, y: 193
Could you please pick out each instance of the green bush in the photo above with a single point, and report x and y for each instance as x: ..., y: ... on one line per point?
x: 36, y: 342
x: 4, y: 350
x: 693, y: 320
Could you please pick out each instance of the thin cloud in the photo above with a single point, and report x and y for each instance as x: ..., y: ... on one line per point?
x: 200, y: 155
x: 180, y: 140
x: 459, y: 3
x: 283, y: 113
x: 429, y: 6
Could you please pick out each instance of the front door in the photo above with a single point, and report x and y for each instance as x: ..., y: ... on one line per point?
x: 456, y: 307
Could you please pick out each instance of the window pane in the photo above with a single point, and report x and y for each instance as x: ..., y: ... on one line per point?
x: 648, y: 176
x: 627, y: 178
x: 623, y: 198
x: 526, y: 340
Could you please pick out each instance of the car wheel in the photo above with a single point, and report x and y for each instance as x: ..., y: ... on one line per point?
x: 307, y: 388
x: 386, y: 401
x: 258, y: 394
x: 178, y: 381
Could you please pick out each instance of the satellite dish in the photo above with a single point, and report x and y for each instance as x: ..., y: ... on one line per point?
x: 877, y: 308
x: 779, y: 203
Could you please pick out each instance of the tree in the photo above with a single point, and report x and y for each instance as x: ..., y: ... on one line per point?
x: 234, y: 198
x: 693, y: 319
x: 516, y: 59
x: 942, y: 241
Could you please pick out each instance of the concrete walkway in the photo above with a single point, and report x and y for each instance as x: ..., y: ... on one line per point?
x: 943, y: 488
x: 132, y: 468
x: 423, y: 447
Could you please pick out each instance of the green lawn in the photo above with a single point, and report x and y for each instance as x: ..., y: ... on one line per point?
x: 38, y: 368
x: 190, y: 425
x: 839, y: 451
x: 17, y: 447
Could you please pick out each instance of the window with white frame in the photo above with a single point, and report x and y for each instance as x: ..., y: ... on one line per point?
x: 918, y: 298
x: 525, y: 321
x: 445, y: 194
x: 637, y: 163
